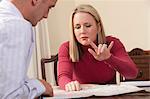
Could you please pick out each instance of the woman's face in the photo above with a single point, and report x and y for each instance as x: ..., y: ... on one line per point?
x: 85, y: 27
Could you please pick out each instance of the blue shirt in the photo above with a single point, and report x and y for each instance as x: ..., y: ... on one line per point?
x: 16, y: 42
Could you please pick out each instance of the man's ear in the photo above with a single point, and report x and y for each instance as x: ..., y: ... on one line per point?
x: 34, y: 2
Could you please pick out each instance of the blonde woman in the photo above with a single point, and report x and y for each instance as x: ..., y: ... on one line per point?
x: 90, y: 56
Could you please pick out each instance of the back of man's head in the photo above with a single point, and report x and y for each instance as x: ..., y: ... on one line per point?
x: 34, y: 10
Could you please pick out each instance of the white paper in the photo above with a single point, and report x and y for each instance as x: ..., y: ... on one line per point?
x: 93, y: 89
x: 136, y: 83
x: 110, y: 90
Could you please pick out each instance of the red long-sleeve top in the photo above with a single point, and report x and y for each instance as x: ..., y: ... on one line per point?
x: 90, y: 70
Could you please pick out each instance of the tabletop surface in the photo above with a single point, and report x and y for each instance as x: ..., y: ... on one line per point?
x: 144, y: 94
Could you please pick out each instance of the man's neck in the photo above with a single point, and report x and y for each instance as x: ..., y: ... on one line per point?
x: 19, y: 5
x: 22, y: 6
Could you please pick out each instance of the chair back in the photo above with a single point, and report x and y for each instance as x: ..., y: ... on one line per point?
x: 54, y: 59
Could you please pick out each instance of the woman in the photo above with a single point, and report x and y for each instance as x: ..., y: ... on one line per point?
x: 90, y: 56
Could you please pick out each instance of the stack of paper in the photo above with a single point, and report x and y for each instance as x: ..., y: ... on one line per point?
x: 143, y: 84
x: 93, y: 89
x: 137, y: 83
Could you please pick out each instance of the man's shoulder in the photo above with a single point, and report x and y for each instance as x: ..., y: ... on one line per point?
x: 13, y: 19
x: 15, y: 25
x: 14, y: 22
x: 10, y: 14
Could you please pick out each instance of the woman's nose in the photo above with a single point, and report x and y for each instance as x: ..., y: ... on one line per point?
x: 82, y: 30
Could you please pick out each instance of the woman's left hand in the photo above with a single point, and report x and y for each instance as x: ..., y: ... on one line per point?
x: 73, y: 86
x: 100, y: 52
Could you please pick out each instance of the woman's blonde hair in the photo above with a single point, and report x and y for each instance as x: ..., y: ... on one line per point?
x: 74, y: 46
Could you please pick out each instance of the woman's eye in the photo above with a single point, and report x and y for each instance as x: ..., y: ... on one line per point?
x: 77, y: 27
x: 88, y: 25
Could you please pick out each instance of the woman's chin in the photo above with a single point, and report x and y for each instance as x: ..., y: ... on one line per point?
x: 85, y: 43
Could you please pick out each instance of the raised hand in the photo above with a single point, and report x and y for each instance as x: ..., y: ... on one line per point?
x: 73, y: 86
x: 100, y: 52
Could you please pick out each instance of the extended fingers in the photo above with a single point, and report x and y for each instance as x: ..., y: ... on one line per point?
x: 102, y: 48
x: 111, y: 45
x: 93, y: 45
x: 99, y: 49
x: 92, y: 52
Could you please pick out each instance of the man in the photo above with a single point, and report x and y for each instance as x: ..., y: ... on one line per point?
x: 16, y: 41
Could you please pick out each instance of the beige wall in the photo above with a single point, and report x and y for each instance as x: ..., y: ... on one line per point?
x: 128, y: 20
x: 58, y: 23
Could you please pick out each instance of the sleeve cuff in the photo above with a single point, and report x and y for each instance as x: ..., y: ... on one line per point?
x: 35, y: 84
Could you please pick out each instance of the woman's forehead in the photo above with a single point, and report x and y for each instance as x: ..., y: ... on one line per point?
x: 83, y: 17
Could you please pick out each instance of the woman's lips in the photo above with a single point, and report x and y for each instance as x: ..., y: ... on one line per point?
x: 84, y: 38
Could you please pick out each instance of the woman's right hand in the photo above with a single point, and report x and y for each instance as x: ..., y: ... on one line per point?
x: 73, y: 86
x: 100, y: 52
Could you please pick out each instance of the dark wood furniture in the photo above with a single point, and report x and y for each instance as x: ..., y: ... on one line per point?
x: 142, y: 59
x: 54, y: 60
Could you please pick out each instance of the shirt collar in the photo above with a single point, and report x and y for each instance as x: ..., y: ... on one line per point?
x: 8, y: 6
